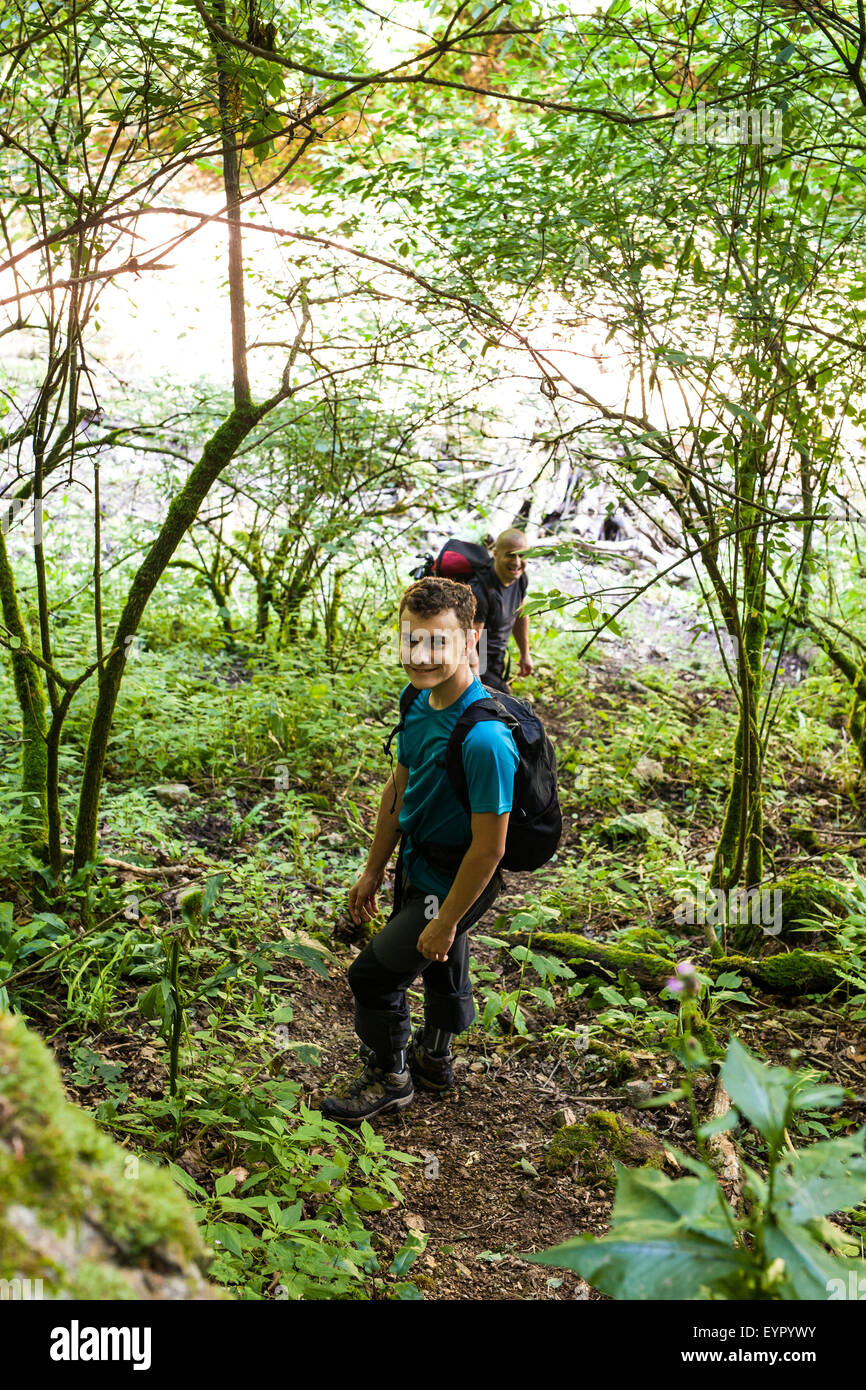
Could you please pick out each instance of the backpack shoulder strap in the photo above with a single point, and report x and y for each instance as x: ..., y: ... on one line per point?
x: 408, y: 696
x: 479, y: 711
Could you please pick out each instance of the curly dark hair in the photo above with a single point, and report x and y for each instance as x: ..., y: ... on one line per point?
x: 433, y: 595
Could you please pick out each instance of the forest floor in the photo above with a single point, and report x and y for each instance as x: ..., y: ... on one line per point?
x: 481, y: 1193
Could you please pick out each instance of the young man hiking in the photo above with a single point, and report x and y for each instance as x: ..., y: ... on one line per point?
x: 499, y: 596
x: 427, y: 933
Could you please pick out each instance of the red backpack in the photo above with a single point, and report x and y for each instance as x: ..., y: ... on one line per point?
x: 460, y: 560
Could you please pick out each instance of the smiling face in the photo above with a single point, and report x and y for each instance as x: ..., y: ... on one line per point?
x: 508, y: 560
x: 432, y: 649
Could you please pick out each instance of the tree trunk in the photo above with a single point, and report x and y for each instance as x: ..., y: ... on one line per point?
x: 30, y: 693
x: 217, y: 454
x: 740, y: 852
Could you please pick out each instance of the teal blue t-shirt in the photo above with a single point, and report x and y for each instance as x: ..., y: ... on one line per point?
x: 430, y: 810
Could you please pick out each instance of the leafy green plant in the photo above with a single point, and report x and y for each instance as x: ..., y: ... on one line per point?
x: 165, y: 999
x: 632, y: 1014
x: 292, y: 1227
x: 682, y: 1239
x: 546, y: 968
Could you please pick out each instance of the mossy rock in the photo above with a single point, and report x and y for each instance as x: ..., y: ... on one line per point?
x: 804, y: 894
x: 77, y: 1211
x: 624, y: 1067
x: 596, y: 1142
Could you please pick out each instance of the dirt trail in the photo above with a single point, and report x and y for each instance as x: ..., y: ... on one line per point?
x: 480, y: 1191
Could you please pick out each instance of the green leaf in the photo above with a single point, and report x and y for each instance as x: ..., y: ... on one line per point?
x: 808, y: 1266
x: 408, y: 1253
x: 314, y: 957
x: 656, y: 1265
x: 819, y: 1098
x: 823, y: 1178
x: 646, y: 1195
x: 211, y: 893
x: 761, y: 1093
x: 227, y: 1236
x: 720, y: 1124
x: 666, y: 1098
x: 368, y: 1200
x: 183, y: 1179
x: 743, y: 414
x: 150, y: 1003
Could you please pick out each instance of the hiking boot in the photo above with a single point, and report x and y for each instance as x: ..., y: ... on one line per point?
x: 433, y: 1073
x: 370, y: 1093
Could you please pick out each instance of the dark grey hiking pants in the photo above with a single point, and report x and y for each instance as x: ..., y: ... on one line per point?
x: 388, y: 965
x: 498, y: 672
x: 494, y: 681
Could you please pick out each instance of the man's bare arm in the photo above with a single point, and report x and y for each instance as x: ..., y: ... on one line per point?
x: 476, y: 870
x: 363, y: 903
x: 521, y: 636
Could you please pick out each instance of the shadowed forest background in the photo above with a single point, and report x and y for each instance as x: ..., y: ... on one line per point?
x: 289, y: 294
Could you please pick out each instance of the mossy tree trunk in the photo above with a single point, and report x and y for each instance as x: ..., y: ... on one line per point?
x: 218, y: 452
x: 739, y: 855
x: 30, y: 694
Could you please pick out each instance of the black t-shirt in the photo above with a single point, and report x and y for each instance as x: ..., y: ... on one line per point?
x: 496, y: 607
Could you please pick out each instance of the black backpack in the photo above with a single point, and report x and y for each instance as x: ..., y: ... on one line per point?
x: 535, y: 824
x: 460, y: 560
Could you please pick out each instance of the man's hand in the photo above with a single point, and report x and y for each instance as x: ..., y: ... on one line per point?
x: 363, y: 904
x: 436, y: 940
x: 526, y: 666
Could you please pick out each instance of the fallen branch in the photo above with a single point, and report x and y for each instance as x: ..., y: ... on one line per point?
x: 163, y: 870
x: 724, y: 1151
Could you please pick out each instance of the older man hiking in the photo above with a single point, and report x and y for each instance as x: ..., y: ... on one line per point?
x: 499, y: 583
x: 499, y: 594
x: 447, y: 870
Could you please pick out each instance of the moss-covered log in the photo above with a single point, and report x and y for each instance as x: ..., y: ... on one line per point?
x: 582, y: 953
x: 790, y: 972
